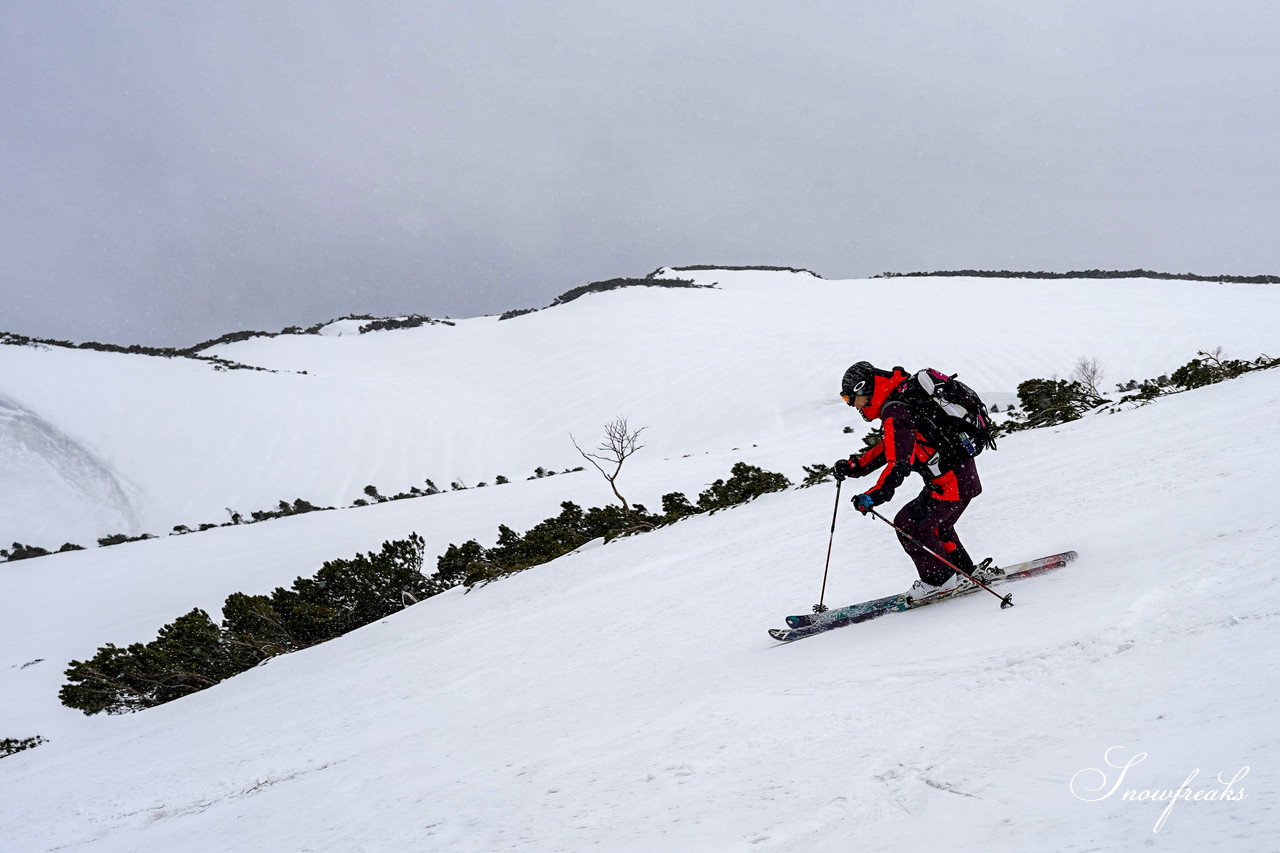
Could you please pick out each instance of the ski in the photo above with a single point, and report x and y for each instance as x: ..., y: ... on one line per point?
x: 987, y: 576
x: 808, y: 624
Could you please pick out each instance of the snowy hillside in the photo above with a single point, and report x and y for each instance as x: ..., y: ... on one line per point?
x: 626, y: 697
x: 108, y: 443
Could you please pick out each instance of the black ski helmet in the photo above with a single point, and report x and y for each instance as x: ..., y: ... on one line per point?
x: 858, y: 381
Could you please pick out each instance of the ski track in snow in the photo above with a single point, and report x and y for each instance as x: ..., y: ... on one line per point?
x: 627, y: 698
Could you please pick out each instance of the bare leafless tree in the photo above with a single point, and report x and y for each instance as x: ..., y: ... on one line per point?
x: 620, y: 443
x: 1088, y: 372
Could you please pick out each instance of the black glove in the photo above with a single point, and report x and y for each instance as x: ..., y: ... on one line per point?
x: 843, y: 468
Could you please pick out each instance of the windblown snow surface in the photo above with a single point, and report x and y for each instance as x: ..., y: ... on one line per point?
x: 626, y: 697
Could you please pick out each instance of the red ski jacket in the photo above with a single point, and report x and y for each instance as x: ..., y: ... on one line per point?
x: 904, y: 449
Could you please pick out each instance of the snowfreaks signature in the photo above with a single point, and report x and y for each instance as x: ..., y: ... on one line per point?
x: 1082, y: 789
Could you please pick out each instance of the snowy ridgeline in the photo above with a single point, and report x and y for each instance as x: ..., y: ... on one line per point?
x: 627, y: 697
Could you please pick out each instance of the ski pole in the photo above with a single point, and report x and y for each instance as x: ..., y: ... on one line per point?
x: 1005, y: 600
x: 820, y: 607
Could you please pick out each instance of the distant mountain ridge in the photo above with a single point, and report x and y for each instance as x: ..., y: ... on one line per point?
x: 378, y: 324
x: 374, y: 324
x: 1164, y: 276
x: 654, y: 279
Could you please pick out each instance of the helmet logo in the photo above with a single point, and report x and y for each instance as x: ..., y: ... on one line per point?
x: 857, y: 380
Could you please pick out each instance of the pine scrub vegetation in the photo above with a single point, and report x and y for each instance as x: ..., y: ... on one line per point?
x: 1048, y: 402
x: 471, y: 564
x: 11, y: 745
x: 193, y: 652
x: 745, y: 483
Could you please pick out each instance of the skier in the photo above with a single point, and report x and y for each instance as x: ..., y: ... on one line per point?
x: 931, y: 516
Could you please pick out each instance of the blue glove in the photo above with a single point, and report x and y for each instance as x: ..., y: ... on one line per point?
x: 863, y: 503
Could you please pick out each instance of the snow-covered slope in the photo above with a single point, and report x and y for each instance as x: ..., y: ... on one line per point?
x: 626, y: 697
x: 179, y: 442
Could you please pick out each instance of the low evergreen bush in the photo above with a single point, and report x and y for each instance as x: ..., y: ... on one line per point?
x: 1046, y: 402
x: 746, y: 483
x: 471, y: 564
x: 617, y: 283
x: 22, y: 552
x: 187, y: 655
x: 675, y: 506
x: 816, y: 473
x: 193, y: 652
x: 11, y: 745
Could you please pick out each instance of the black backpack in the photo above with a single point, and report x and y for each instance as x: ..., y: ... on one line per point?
x: 950, y: 414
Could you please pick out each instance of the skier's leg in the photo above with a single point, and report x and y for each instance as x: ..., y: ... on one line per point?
x: 952, y: 548
x: 922, y: 518
x: 964, y: 485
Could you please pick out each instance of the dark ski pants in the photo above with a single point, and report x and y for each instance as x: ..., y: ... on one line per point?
x: 931, y: 516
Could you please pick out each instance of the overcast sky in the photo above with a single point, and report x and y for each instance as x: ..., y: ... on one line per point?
x: 173, y: 171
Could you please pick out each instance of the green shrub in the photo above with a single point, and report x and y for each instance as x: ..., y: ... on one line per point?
x: 256, y: 628
x: 546, y: 540
x: 10, y: 745
x: 188, y: 655
x: 22, y: 552
x: 1211, y: 368
x: 472, y: 564
x: 816, y: 473
x: 192, y: 653
x: 1145, y: 392
x: 461, y: 564
x: 746, y: 483
x: 675, y: 506
x: 1046, y: 402
x: 346, y: 594
x: 1207, y: 368
x: 616, y: 283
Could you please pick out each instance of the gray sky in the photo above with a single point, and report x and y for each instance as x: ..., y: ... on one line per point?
x: 173, y: 171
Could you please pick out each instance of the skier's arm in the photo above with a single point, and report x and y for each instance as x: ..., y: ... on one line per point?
x: 899, y: 445
x: 870, y: 460
x: 860, y: 465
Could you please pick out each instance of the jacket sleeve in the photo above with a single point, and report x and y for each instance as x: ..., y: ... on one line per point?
x: 869, y: 460
x: 899, y: 447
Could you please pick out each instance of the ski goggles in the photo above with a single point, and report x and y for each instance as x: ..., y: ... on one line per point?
x: 850, y: 398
